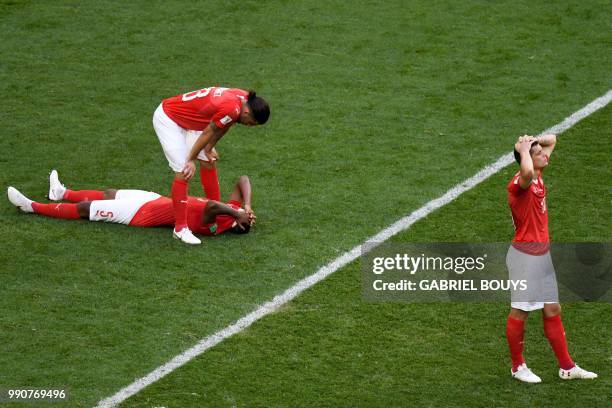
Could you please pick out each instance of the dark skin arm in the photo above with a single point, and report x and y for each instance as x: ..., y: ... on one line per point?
x: 243, y: 193
x: 207, y: 140
x: 215, y: 208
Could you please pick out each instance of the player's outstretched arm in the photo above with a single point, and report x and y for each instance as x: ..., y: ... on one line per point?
x: 523, y: 146
x: 548, y: 143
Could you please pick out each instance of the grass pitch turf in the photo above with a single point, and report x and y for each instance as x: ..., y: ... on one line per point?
x: 329, y: 347
x: 375, y: 110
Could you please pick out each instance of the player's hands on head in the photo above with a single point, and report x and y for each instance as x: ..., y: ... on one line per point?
x: 189, y: 169
x: 243, y: 219
x: 251, y: 214
x: 524, y: 143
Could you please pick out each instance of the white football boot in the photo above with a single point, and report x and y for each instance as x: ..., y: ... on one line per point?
x: 186, y: 236
x: 56, y: 189
x: 19, y: 200
x: 525, y: 374
x: 576, y: 373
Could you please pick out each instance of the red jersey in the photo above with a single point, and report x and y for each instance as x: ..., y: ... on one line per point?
x: 195, y: 110
x: 530, y: 215
x: 160, y: 212
x: 195, y: 212
x: 156, y: 213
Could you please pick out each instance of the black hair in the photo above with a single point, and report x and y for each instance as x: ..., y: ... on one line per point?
x: 517, y: 155
x: 237, y: 230
x: 259, y: 107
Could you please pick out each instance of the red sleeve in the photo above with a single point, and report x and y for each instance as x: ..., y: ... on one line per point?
x: 514, y: 187
x: 227, y: 115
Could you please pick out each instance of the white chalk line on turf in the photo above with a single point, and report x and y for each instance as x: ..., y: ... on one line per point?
x: 347, y: 257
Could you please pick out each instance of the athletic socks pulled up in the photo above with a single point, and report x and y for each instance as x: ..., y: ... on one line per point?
x: 210, y: 182
x: 515, y: 334
x: 74, y: 196
x: 61, y: 210
x: 179, y: 203
x: 555, y: 333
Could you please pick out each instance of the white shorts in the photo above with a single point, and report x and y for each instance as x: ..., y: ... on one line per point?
x: 122, y: 209
x: 529, y: 306
x: 539, y: 274
x: 176, y: 141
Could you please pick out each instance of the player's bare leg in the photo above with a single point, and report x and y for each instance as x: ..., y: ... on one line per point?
x: 515, y: 334
x: 555, y: 333
x: 181, y: 232
x: 110, y: 194
x: 83, y: 208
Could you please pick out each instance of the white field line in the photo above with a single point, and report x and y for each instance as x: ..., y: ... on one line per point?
x: 347, y: 257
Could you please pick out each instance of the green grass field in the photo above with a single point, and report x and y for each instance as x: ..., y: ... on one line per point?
x: 375, y: 111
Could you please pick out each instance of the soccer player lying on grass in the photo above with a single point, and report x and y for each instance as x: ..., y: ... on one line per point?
x: 143, y: 208
x: 189, y: 126
x: 529, y: 259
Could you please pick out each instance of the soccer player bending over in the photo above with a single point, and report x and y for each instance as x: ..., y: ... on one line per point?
x: 529, y: 259
x: 143, y: 208
x: 188, y: 127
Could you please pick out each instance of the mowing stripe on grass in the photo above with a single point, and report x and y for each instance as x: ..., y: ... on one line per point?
x: 289, y: 294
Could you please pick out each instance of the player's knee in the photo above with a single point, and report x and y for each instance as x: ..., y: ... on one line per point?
x: 208, y: 164
x: 179, y: 176
x: 83, y: 209
x: 552, y: 309
x: 110, y: 194
x: 519, y: 314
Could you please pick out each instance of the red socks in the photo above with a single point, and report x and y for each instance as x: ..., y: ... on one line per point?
x: 210, y: 182
x: 65, y: 211
x: 515, y: 331
x: 83, y: 195
x: 555, y: 333
x: 179, y: 202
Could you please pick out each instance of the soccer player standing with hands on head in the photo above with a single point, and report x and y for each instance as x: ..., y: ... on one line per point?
x: 529, y: 259
x: 188, y: 127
